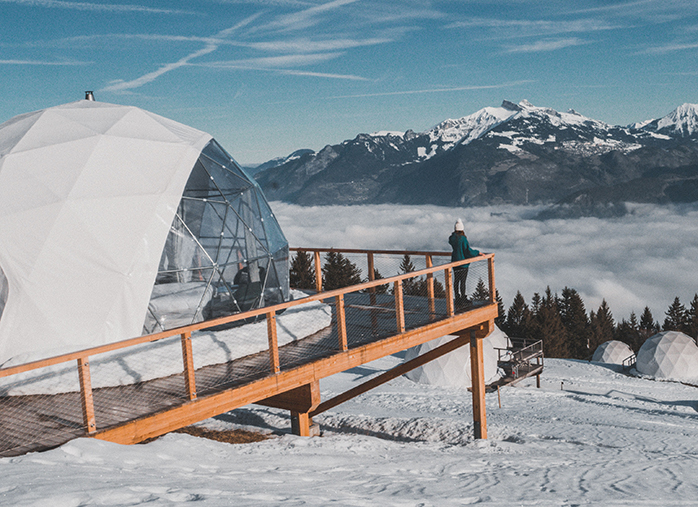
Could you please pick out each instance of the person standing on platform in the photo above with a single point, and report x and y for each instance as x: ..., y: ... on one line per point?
x: 461, y: 251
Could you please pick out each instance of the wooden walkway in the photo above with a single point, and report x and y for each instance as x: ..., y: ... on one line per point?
x: 364, y: 328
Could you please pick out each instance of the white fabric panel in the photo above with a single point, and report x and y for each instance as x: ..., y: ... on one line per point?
x: 87, y: 197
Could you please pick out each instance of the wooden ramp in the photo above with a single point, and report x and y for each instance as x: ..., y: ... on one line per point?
x: 367, y: 324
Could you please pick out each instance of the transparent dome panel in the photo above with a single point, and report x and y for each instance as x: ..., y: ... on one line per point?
x: 225, y: 252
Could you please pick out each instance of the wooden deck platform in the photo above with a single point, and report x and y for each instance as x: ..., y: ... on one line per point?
x: 365, y: 326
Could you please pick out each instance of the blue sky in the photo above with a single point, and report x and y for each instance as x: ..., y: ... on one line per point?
x: 266, y: 77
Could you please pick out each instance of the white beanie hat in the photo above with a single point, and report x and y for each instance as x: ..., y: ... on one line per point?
x: 459, y: 225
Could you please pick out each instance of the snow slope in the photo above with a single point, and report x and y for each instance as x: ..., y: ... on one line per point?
x: 604, y: 439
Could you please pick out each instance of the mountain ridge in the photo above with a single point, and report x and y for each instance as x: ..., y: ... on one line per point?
x: 514, y: 154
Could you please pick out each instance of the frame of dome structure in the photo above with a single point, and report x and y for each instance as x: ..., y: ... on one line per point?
x: 224, y: 254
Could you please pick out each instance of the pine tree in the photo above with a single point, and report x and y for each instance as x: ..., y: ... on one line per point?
x: 628, y: 331
x: 602, y: 326
x: 549, y: 328
x: 302, y: 272
x: 380, y: 289
x: 501, y: 312
x: 676, y: 317
x: 339, y: 272
x: 648, y: 327
x: 574, y: 318
x: 546, y: 325
x: 410, y: 286
x: 481, y: 293
x: 692, y: 320
x: 518, y: 318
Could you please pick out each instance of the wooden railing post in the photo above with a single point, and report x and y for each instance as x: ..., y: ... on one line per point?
x: 318, y: 271
x: 88, y: 408
x: 341, y: 322
x: 399, y: 307
x: 430, y: 288
x: 490, y: 271
x: 188, y: 360
x: 371, y: 267
x: 477, y: 376
x: 273, y: 342
x: 449, y: 292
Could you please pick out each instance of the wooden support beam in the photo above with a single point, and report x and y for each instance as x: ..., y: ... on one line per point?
x: 88, y: 407
x: 389, y: 375
x: 450, y: 310
x: 301, y: 399
x: 477, y: 376
x: 341, y: 322
x: 371, y: 267
x: 490, y: 272
x: 430, y: 288
x: 318, y: 271
x: 273, y: 342
x: 188, y: 360
x: 399, y: 306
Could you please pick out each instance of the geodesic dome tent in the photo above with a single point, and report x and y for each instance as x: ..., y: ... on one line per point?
x: 670, y: 354
x: 453, y: 369
x: 115, y: 221
x: 612, y: 352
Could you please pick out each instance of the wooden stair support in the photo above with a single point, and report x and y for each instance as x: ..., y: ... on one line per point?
x: 300, y: 402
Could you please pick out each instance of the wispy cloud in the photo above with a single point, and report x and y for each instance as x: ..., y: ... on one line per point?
x: 670, y: 48
x: 88, y: 6
x: 281, y: 64
x: 298, y: 45
x: 121, y: 85
x: 547, y: 45
x: 273, y: 61
x: 42, y: 62
x: 433, y: 90
x: 306, y: 18
x: 531, y: 28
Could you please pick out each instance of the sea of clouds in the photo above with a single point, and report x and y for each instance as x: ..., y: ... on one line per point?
x: 645, y: 258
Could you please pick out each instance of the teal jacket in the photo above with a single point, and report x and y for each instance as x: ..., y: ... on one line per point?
x: 461, y: 249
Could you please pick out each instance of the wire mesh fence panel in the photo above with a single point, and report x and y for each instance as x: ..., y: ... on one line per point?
x: 40, y: 409
x: 137, y: 381
x: 370, y: 315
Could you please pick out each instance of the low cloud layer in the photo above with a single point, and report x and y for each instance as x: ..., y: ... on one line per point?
x: 644, y: 259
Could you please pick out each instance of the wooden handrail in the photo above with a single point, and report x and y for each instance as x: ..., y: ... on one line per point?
x: 360, y: 251
x: 5, y: 372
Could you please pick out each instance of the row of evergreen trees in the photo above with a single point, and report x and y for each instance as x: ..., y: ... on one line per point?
x: 568, y: 331
x: 562, y: 322
x: 339, y: 272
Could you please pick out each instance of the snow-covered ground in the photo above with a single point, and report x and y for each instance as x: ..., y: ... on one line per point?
x: 589, y: 436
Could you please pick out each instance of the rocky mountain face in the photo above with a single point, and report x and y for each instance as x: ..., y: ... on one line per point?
x: 513, y: 154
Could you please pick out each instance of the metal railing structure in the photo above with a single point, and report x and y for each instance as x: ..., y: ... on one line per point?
x: 629, y: 362
x: 146, y: 386
x: 524, y: 359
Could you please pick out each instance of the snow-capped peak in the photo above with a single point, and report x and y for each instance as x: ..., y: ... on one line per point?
x: 468, y: 128
x: 681, y: 121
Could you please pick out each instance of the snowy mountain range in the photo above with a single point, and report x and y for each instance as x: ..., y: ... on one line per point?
x: 511, y: 154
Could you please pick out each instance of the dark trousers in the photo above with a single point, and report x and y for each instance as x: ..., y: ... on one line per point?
x: 459, y: 276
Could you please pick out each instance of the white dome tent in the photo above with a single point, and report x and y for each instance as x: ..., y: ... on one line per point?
x: 115, y: 221
x: 453, y: 369
x: 612, y: 352
x: 671, y: 355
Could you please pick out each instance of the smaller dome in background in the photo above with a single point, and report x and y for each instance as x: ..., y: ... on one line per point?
x: 453, y: 369
x: 671, y: 355
x: 612, y: 352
